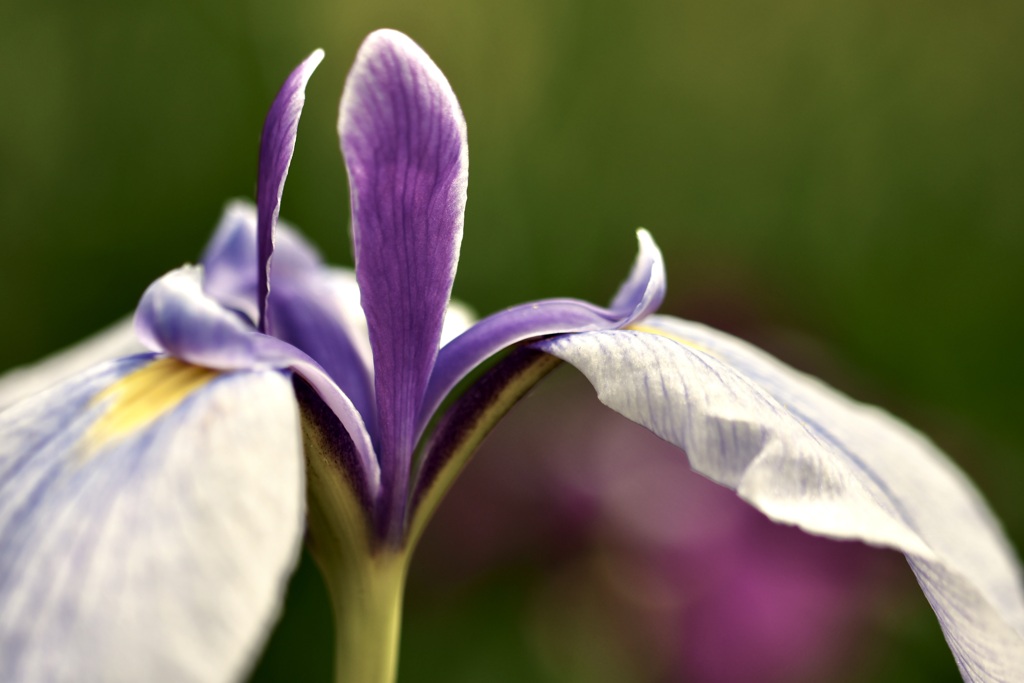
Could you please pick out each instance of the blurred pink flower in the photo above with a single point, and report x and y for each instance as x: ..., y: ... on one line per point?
x: 694, y: 584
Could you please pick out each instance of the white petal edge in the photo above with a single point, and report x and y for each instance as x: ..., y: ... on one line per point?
x: 116, y: 341
x: 162, y: 556
x: 458, y: 318
x: 806, y: 455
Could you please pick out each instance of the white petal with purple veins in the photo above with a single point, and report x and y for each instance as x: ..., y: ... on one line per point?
x: 806, y: 455
x: 112, y: 342
x: 148, y: 529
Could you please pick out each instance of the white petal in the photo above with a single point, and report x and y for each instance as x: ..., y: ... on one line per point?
x: 458, y: 318
x: 350, y: 310
x: 155, y: 550
x: 116, y: 341
x: 806, y: 455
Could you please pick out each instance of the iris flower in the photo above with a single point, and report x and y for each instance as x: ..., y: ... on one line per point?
x: 152, y: 506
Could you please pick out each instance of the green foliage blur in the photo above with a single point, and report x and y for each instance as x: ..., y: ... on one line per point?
x: 841, y: 182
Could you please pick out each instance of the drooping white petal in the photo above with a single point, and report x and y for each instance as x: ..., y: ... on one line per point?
x: 147, y: 530
x: 115, y: 341
x: 806, y: 455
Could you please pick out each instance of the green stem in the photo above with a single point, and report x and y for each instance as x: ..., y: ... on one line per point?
x: 367, y: 620
x: 365, y: 575
x: 365, y: 578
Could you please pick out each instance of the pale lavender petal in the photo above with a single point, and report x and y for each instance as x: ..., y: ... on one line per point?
x: 346, y: 294
x: 806, y: 455
x: 307, y: 313
x: 404, y: 140
x: 159, y: 554
x: 116, y: 341
x: 987, y: 648
x: 639, y: 296
x: 309, y: 307
x: 229, y: 272
x: 276, y: 148
x: 177, y: 317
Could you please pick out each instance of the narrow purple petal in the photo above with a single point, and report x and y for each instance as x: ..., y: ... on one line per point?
x: 638, y: 297
x: 175, y: 316
x: 404, y: 140
x: 276, y: 148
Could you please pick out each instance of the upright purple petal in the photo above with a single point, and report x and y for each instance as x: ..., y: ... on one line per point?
x: 276, y: 148
x: 639, y: 296
x: 404, y: 140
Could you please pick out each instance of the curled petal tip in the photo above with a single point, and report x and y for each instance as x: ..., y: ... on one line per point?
x: 646, y: 241
x: 644, y: 289
x: 313, y: 61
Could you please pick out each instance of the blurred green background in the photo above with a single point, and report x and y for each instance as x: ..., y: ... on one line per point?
x: 842, y: 183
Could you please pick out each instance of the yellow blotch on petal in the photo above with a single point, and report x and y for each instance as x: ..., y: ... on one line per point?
x: 668, y: 335
x: 138, y: 399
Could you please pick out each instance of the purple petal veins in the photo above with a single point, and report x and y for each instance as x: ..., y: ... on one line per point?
x: 404, y: 140
x: 276, y: 148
